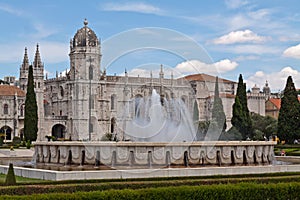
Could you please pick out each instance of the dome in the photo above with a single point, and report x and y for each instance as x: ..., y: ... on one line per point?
x: 85, y: 37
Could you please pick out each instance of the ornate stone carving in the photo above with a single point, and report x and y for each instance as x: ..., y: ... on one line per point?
x: 259, y: 150
x: 211, y: 153
x: 239, y: 152
x: 45, y: 151
x: 159, y: 153
x: 106, y: 153
x: 141, y: 153
x: 89, y: 153
x: 53, y: 150
x: 177, y: 152
x: 250, y: 151
x: 75, y: 152
x: 63, y: 152
x: 226, y: 152
x: 122, y: 153
x: 194, y: 152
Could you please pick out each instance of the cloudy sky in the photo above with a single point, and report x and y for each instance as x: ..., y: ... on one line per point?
x: 259, y: 39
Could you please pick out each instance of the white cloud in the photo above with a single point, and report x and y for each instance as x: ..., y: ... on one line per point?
x: 276, y: 80
x: 247, y: 57
x: 10, y: 10
x: 184, y: 68
x: 234, y: 4
x: 196, y: 66
x: 246, y: 36
x: 132, y: 7
x: 42, y: 32
x: 292, y: 52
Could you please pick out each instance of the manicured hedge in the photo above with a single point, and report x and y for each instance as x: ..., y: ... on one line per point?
x: 84, y: 187
x: 207, y: 192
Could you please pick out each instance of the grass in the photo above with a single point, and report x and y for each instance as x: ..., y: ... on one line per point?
x: 22, y: 180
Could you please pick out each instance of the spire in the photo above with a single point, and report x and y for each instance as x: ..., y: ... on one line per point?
x: 126, y: 77
x: 161, y: 73
x: 85, y: 22
x: 25, y: 64
x: 37, y: 58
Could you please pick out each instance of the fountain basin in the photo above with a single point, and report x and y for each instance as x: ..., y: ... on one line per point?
x: 150, y: 154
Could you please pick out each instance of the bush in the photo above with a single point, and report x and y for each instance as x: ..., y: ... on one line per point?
x: 23, y: 143
x: 208, y: 192
x: 16, y: 141
x: 28, y: 144
x: 10, y: 177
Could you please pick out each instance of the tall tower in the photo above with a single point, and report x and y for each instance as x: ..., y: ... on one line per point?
x: 85, y: 59
x: 38, y: 75
x: 24, y: 71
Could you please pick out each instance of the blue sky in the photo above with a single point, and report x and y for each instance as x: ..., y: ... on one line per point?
x: 259, y: 39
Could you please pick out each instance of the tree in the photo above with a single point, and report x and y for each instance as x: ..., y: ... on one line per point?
x: 10, y: 177
x: 289, y: 114
x: 240, y: 113
x: 265, y: 124
x: 31, y: 116
x: 218, y: 114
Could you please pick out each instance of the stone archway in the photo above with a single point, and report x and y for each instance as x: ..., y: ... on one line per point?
x: 58, y: 131
x: 8, y: 131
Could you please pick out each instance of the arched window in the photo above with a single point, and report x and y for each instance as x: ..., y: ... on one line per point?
x: 112, y: 102
x: 5, y: 109
x: 61, y: 91
x: 22, y: 110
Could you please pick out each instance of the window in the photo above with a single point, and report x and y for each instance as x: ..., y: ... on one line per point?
x: 22, y: 111
x: 5, y: 109
x: 39, y: 84
x: 61, y: 91
x: 112, y: 102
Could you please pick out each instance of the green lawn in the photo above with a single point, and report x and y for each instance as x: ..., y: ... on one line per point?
x: 290, y: 150
x: 21, y: 180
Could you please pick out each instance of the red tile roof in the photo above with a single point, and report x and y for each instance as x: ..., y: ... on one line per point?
x: 276, y: 102
x: 10, y: 90
x: 205, y: 77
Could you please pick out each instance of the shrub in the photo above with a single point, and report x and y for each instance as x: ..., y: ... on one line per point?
x: 10, y: 177
x: 16, y: 141
x: 28, y: 144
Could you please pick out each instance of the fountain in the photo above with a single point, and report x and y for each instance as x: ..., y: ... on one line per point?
x: 161, y: 134
x: 158, y: 119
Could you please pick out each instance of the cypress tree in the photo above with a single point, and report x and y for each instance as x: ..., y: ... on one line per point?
x: 289, y: 113
x: 240, y: 113
x: 31, y: 116
x: 10, y: 177
x: 218, y: 114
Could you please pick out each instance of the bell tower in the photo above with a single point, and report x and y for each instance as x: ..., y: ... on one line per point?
x: 85, y: 57
x: 38, y: 76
